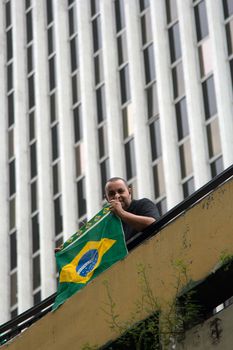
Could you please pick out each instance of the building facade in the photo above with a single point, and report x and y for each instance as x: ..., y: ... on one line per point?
x: 91, y: 89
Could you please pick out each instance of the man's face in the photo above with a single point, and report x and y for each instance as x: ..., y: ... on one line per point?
x: 118, y: 190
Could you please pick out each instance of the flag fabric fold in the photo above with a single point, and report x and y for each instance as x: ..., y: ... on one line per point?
x: 88, y: 252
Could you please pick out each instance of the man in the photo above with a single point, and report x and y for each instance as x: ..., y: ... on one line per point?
x: 136, y: 215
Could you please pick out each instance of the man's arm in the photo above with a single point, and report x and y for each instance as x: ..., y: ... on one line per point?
x: 137, y: 222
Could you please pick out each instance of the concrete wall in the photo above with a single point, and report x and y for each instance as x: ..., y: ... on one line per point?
x: 216, y: 333
x: 197, y: 238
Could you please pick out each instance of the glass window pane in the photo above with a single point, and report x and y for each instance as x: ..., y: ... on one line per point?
x: 12, y: 213
x: 8, y: 14
x: 95, y: 7
x: 122, y: 48
x: 31, y: 92
x: 37, y: 298
x: 127, y: 119
x: 33, y: 160
x: 53, y: 108
x: 58, y: 215
x: 36, y: 271
x: 9, y: 44
x: 74, y: 53
x: 50, y: 41
x: 178, y: 80
x: 75, y: 88
x: 174, y: 41
x: 35, y: 234
x: 213, y: 137
x: 79, y: 160
x: 158, y: 177
x: 29, y: 26
x: 209, y: 97
x: 14, y: 289
x: 99, y: 69
x: 171, y: 10
x: 205, y: 57
x: 52, y: 78
x: 120, y: 14
x: 162, y: 206
x: 182, y: 119
x: 12, y: 185
x: 130, y: 160
x: 31, y: 126
x: 77, y: 124
x: 96, y: 31
x: 188, y: 187
x: 144, y: 4
x: 10, y: 143
x: 105, y: 175
x: 49, y: 11
x: 152, y: 101
x: 55, y: 152
x: 29, y: 59
x: 216, y: 167
x: 11, y: 116
x: 101, y: 107
x: 81, y: 197
x: 33, y: 196
x: 228, y: 8
x: 56, y: 178
x: 124, y: 83
x: 149, y: 64
x: 185, y: 159
x: 72, y: 20
x: 201, y: 20
x: 9, y: 77
x: 102, y: 138
x: 155, y: 139
x: 13, y: 250
x: 146, y: 28
x: 229, y: 34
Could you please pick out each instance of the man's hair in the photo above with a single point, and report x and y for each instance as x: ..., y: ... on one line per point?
x: 113, y: 179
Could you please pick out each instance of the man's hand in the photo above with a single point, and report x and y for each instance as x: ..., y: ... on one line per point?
x: 116, y: 207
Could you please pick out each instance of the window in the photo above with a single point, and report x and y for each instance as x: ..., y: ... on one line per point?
x: 52, y: 81
x: 77, y: 123
x: 13, y: 250
x: 146, y: 28
x: 50, y: 41
x: 130, y: 159
x: 120, y: 14
x: 188, y: 187
x: 74, y: 53
x: 102, y: 137
x: 144, y: 4
x: 29, y: 26
x: 9, y: 77
x: 182, y: 119
x: 11, y: 116
x: 31, y: 126
x: 9, y: 44
x: 72, y: 21
x: 185, y: 159
x: 79, y: 160
x: 13, y: 284
x: 58, y: 216
x: 178, y: 80
x: 209, y: 97
x: 149, y: 64
x: 124, y: 83
x: 205, y: 57
x: 158, y: 177
x: 49, y: 11
x: 31, y: 92
x: 53, y: 109
x: 174, y: 41
x: 8, y: 14
x: 228, y: 8
x: 122, y: 49
x: 201, y: 20
x: 105, y: 174
x: 229, y: 33
x: 96, y: 34
x: 10, y: 143
x: 29, y: 59
x: 33, y: 196
x: 152, y: 100
x: 12, y: 187
x: 35, y: 234
x: 100, y: 100
x: 33, y: 160
x: 99, y: 70
x: 36, y: 271
x: 214, y: 143
x: 171, y: 10
x: 216, y: 167
x: 127, y: 118
x: 55, y: 152
x: 12, y: 213
x: 156, y: 149
x: 75, y: 88
x: 56, y: 179
x: 95, y: 7
x: 81, y: 197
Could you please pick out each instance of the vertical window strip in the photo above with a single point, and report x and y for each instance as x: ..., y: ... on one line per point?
x: 100, y: 93
x: 11, y: 162
x: 77, y: 110
x: 214, y: 149
x: 179, y: 99
x: 54, y: 125
x: 152, y: 105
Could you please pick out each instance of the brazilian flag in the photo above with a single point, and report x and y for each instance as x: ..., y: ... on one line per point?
x: 95, y: 247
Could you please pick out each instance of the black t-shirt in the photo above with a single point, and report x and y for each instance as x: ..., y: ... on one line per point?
x: 143, y: 207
